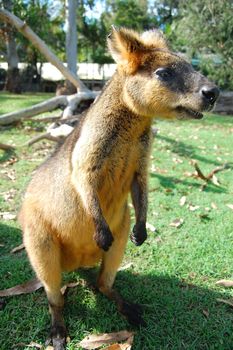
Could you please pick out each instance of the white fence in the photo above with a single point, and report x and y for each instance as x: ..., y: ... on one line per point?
x: 89, y: 71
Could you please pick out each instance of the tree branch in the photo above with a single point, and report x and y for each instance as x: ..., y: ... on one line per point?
x: 43, y: 136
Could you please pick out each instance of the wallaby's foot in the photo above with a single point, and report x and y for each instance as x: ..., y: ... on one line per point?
x: 57, y: 337
x: 133, y: 313
x: 103, y: 237
x: 139, y: 234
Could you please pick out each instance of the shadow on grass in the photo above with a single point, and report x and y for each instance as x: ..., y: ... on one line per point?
x: 185, y: 150
x: 178, y: 314
x: 215, y: 119
x: 9, y: 237
x: 6, y: 155
x: 171, y: 182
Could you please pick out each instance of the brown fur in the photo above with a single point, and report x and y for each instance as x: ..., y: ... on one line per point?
x: 75, y: 210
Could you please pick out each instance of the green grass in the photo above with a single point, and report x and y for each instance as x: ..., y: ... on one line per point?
x: 173, y: 273
x: 11, y: 102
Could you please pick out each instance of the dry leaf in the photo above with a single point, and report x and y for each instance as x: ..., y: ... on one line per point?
x: 125, y: 267
x: 193, y: 207
x: 183, y: 201
x: 94, y: 341
x: 9, y: 195
x: 158, y: 239
x: 230, y: 206
x: 31, y: 345
x: 68, y: 285
x: 177, y: 160
x: 124, y: 346
x: 215, y: 180
x: 177, y: 223
x: 225, y: 283
x: 206, y: 313
x: 24, y: 288
x: 150, y: 227
x: 188, y: 174
x: 35, y: 345
x: 7, y: 216
x: 214, y: 206
x: 9, y: 173
x: 18, y: 248
x: 228, y: 302
x: 113, y: 347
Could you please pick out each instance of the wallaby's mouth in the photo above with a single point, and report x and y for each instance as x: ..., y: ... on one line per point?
x: 189, y: 112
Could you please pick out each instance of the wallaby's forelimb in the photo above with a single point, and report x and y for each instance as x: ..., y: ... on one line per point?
x: 139, y: 192
x: 86, y: 189
x: 139, y: 198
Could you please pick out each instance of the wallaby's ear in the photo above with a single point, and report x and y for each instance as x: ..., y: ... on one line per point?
x: 126, y: 48
x: 154, y: 39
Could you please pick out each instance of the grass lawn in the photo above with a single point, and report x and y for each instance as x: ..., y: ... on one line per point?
x: 173, y: 274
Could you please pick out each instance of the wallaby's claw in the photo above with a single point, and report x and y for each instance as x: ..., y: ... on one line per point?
x: 139, y: 234
x: 104, y: 238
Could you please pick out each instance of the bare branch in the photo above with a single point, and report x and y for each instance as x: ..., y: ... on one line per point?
x: 199, y: 172
x: 210, y: 177
x: 6, y: 147
x: 217, y: 170
x: 47, y: 119
x: 43, y: 136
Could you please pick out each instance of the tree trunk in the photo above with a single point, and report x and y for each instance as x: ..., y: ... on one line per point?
x: 71, y: 35
x: 13, y: 77
x: 71, y: 40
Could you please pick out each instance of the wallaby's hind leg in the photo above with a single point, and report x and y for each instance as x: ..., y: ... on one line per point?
x: 110, y: 264
x: 44, y: 254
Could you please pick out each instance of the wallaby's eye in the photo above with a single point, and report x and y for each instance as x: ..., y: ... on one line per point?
x: 164, y: 73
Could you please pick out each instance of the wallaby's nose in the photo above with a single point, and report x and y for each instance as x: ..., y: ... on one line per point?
x: 210, y: 93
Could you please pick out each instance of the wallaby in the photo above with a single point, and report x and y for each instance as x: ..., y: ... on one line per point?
x: 75, y: 211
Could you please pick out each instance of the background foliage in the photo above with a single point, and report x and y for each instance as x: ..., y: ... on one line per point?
x: 203, y: 30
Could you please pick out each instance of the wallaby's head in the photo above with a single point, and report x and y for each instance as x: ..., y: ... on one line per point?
x: 156, y: 81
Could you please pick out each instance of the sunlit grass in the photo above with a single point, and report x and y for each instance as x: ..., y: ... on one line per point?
x: 173, y: 274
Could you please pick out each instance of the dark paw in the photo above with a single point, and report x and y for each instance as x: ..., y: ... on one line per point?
x: 139, y: 234
x: 133, y: 314
x: 103, y: 237
x: 57, y: 337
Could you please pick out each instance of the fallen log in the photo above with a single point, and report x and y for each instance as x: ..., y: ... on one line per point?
x: 69, y: 102
x: 6, y: 147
